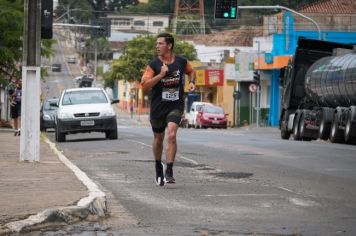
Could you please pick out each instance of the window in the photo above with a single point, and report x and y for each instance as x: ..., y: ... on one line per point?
x: 123, y: 21
x: 158, y: 23
x: 83, y: 97
x: 139, y: 23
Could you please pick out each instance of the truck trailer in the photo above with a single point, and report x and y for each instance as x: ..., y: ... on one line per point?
x: 319, y: 92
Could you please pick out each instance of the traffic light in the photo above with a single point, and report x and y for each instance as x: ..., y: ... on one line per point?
x: 46, y: 19
x: 256, y: 77
x: 104, y: 30
x: 225, y: 9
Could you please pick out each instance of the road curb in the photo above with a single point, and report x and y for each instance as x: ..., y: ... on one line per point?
x: 94, y: 205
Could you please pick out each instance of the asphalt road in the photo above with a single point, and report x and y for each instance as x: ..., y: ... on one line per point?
x: 229, y: 182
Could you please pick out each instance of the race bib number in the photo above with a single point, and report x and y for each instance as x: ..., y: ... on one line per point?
x: 170, y: 94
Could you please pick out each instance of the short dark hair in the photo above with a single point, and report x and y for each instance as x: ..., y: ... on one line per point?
x: 168, y: 38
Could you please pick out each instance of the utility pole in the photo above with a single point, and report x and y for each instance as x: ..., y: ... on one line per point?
x: 31, y: 73
x: 258, y: 88
x: 95, y: 58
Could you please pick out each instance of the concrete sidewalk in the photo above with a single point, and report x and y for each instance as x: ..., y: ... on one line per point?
x: 40, y: 194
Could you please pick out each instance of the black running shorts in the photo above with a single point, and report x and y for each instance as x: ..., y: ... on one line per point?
x: 15, y: 110
x: 159, y: 125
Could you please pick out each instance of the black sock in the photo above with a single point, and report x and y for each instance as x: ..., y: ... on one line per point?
x: 169, y: 170
x: 159, y: 164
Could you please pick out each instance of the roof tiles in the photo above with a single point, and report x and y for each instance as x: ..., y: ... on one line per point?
x: 330, y: 6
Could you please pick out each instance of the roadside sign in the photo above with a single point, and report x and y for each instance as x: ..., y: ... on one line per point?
x: 252, y: 88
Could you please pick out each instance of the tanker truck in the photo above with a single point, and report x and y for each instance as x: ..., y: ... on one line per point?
x: 319, y: 93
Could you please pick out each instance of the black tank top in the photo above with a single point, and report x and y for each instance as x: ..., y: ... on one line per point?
x: 167, y: 94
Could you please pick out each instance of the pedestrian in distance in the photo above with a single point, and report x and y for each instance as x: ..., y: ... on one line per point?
x: 131, y: 110
x: 15, y: 95
x: 165, y: 76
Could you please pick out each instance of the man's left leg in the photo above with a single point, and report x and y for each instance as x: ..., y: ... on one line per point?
x: 171, y: 150
x: 173, y: 120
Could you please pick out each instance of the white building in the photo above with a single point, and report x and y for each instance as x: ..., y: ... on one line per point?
x: 139, y: 23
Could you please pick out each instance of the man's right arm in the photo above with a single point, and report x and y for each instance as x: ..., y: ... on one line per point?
x: 149, y: 80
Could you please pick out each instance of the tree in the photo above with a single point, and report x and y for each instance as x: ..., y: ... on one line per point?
x: 75, y: 11
x: 11, y: 34
x: 11, y: 25
x: 102, y: 47
x: 154, y: 6
x: 137, y: 54
x: 116, y: 5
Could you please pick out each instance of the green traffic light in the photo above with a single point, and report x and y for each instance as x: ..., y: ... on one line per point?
x: 226, y: 15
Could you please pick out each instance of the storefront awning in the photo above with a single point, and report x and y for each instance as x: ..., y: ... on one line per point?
x: 277, y: 62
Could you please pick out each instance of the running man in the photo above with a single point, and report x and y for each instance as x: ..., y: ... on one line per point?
x: 165, y: 76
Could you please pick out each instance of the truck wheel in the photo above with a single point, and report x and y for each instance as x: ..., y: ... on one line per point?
x: 324, y: 129
x: 325, y: 123
x: 336, y: 132
x: 301, y: 126
x: 296, y: 122
x: 349, y: 138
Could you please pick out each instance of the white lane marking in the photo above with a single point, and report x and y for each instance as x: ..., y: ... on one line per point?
x: 188, y: 159
x: 179, y: 156
x: 240, y: 195
x: 286, y: 189
x: 301, y: 202
x: 134, y: 141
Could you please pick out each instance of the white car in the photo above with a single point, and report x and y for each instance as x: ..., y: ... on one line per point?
x: 192, y: 115
x: 83, y: 110
x: 72, y: 60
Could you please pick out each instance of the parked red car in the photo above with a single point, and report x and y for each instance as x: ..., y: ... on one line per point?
x: 211, y: 116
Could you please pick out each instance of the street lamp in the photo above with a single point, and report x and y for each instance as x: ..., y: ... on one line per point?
x: 286, y: 9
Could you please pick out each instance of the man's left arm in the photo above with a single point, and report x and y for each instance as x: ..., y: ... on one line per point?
x: 191, y: 73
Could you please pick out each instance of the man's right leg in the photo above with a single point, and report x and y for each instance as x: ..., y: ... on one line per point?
x: 157, y: 149
x: 158, y: 128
